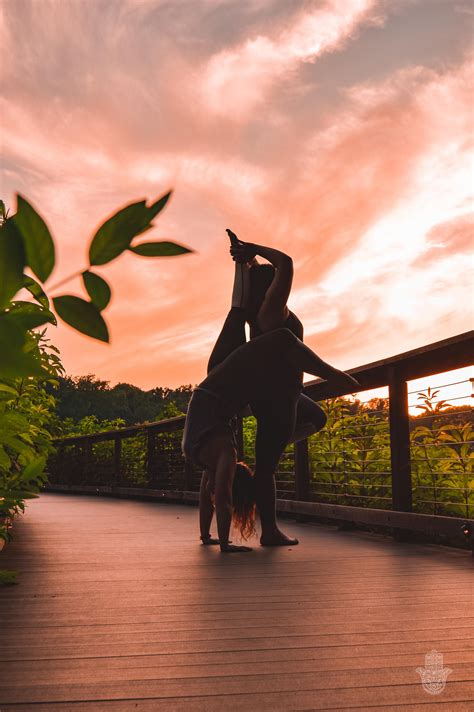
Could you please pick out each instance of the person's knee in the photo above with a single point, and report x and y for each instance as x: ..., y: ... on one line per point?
x: 316, y: 422
x: 320, y: 419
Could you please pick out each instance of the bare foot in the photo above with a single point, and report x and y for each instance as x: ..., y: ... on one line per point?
x: 277, y: 538
x: 209, y: 540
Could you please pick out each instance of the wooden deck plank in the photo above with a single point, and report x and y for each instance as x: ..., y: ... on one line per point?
x: 232, y: 684
x: 220, y: 706
x: 381, y: 652
x: 311, y: 699
x: 98, y: 673
x: 120, y: 607
x: 116, y: 632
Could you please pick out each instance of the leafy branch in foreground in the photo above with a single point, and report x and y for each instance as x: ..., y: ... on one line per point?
x: 26, y: 242
x: 28, y: 363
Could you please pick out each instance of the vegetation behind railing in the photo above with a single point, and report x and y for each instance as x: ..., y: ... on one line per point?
x: 349, y: 464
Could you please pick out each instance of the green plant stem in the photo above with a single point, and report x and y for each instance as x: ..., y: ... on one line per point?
x: 67, y: 279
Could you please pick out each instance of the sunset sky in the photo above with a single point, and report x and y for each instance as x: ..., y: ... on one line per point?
x: 339, y: 131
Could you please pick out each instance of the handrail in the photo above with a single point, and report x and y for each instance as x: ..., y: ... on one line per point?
x: 455, y: 352
x: 394, y: 372
x: 445, y: 355
x: 158, y: 426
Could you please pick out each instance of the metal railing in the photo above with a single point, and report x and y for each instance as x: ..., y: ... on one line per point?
x: 373, y: 475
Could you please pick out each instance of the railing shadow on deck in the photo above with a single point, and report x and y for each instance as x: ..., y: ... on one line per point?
x: 146, y: 461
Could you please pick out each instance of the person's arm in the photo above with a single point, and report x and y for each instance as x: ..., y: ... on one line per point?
x: 206, y: 510
x: 273, y: 311
x: 225, y: 471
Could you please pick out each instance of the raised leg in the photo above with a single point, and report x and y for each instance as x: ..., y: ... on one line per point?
x: 241, y: 288
x: 232, y: 334
x: 310, y: 419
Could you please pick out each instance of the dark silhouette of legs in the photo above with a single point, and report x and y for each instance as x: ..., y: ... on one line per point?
x: 276, y: 420
x: 310, y: 419
x: 232, y: 336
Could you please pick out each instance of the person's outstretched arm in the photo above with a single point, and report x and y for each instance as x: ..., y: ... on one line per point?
x: 274, y: 310
x: 206, y: 510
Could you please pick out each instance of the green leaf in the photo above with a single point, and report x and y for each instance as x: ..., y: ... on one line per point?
x: 116, y: 233
x: 18, y: 494
x: 97, y: 289
x: 14, y: 360
x: 145, y: 229
x: 34, y: 468
x: 39, y: 245
x: 81, y: 315
x: 13, y: 422
x: 30, y: 316
x: 4, y: 459
x: 158, y: 206
x: 12, y: 261
x: 159, y: 249
x: 36, y: 290
x: 14, y: 443
x: 2, y: 210
x: 9, y: 389
x: 8, y: 578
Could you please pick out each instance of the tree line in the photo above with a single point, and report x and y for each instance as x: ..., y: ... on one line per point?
x: 83, y: 396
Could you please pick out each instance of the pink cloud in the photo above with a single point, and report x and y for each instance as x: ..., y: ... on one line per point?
x: 362, y: 193
x: 237, y: 81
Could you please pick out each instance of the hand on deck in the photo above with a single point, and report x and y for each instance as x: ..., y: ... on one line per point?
x: 232, y: 549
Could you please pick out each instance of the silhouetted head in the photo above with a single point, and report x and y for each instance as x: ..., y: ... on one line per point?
x: 243, y: 501
x: 261, y: 277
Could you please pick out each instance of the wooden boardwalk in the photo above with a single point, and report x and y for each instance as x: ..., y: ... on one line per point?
x: 118, y: 607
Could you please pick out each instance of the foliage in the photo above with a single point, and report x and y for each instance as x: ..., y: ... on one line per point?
x: 350, y: 458
x: 27, y: 426
x: 88, y: 425
x: 442, y: 459
x: 29, y: 365
x: 87, y: 395
x: 94, y: 462
x: 8, y: 578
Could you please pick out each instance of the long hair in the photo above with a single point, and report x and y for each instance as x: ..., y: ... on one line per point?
x: 261, y: 277
x: 243, y: 501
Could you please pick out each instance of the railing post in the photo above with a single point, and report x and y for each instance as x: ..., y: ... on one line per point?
x: 399, y: 442
x: 117, y: 459
x: 302, y: 489
x: 87, y: 459
x: 150, y: 455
